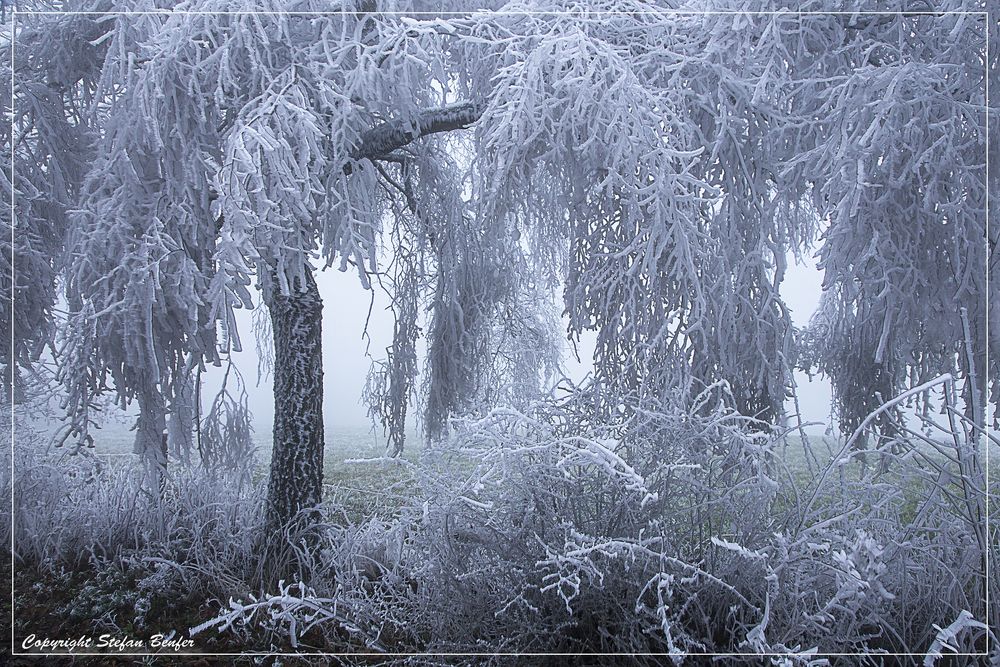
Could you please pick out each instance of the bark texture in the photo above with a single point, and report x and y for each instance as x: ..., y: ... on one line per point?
x: 150, y: 430
x: 383, y: 139
x: 296, y: 478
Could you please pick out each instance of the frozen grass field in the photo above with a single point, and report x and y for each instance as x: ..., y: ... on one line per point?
x: 358, y: 476
x: 355, y: 453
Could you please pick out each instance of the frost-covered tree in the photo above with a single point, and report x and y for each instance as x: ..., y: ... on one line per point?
x: 234, y: 145
x: 889, y: 116
x: 658, y: 165
x: 602, y: 148
x: 47, y: 142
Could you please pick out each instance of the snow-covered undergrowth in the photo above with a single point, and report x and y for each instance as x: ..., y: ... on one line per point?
x: 193, y: 541
x: 550, y: 531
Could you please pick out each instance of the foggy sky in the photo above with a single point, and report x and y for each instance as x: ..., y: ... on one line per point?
x: 345, y: 366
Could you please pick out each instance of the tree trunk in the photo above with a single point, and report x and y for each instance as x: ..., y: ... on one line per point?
x: 150, y: 436
x: 181, y: 419
x: 296, y: 480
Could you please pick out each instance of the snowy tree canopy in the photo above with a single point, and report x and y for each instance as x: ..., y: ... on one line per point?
x: 658, y: 165
x: 48, y: 144
x: 898, y: 173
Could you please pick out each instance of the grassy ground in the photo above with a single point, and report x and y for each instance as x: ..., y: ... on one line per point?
x: 361, y: 480
x: 359, y: 476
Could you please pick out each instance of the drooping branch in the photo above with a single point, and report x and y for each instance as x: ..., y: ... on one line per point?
x: 383, y: 139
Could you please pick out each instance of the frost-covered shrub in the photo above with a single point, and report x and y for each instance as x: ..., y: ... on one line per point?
x: 77, y: 512
x: 666, y: 530
x: 566, y: 535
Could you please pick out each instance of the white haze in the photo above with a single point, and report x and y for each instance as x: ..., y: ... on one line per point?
x: 345, y: 364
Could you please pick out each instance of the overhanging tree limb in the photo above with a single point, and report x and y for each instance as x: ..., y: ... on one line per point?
x: 383, y: 139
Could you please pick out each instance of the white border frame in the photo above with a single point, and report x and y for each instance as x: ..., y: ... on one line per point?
x: 11, y: 5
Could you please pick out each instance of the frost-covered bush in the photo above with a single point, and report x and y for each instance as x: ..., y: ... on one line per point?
x: 198, y: 536
x: 666, y: 531
x: 662, y: 530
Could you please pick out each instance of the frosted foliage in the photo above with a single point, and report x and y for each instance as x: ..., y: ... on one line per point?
x: 492, y: 337
x: 683, y: 531
x: 476, y: 281
x: 650, y: 151
x: 138, y: 273
x: 226, y: 437
x: 659, y: 166
x: 900, y: 142
x: 54, y: 82
x: 389, y: 387
x: 582, y: 141
x: 290, y: 184
x: 573, y: 128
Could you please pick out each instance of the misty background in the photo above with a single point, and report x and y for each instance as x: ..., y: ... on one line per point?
x: 346, y: 306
